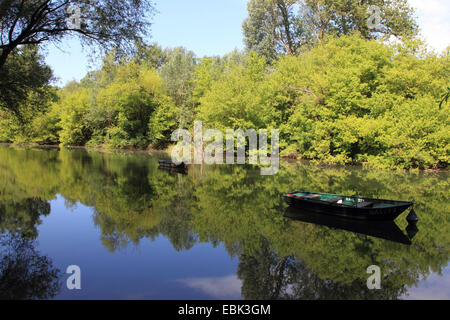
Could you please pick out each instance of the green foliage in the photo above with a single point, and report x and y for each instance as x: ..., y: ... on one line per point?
x: 37, y: 122
x: 108, y: 24
x: 341, y: 17
x: 72, y: 108
x: 162, y: 123
x: 445, y: 98
x: 128, y: 102
x: 178, y: 75
x: 346, y: 100
x: 358, y: 100
x: 258, y: 29
x: 208, y: 71
x: 122, y: 105
x: 26, y: 98
x: 288, y: 26
x: 23, y: 75
x: 152, y: 56
x: 237, y: 99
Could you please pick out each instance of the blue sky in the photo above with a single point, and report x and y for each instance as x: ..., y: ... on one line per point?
x: 213, y: 27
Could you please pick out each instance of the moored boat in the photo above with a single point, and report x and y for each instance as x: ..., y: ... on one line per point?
x: 166, y: 164
x: 353, y: 207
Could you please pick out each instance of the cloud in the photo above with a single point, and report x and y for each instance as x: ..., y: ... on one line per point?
x: 434, y: 288
x: 434, y: 21
x: 228, y: 287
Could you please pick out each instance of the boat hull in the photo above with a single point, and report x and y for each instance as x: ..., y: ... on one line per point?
x: 169, y: 165
x: 350, y: 212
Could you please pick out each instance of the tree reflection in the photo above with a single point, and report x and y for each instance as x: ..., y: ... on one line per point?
x: 24, y: 273
x: 235, y: 206
x: 265, y: 276
x: 23, y: 216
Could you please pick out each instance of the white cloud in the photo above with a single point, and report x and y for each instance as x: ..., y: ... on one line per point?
x: 434, y: 288
x: 228, y: 287
x: 434, y: 21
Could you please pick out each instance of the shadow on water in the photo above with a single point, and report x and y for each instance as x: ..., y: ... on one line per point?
x: 387, y: 230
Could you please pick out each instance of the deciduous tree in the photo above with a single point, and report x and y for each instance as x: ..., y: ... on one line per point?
x: 107, y: 23
x: 287, y: 26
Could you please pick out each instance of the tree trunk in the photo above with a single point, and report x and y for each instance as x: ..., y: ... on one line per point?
x: 4, y: 56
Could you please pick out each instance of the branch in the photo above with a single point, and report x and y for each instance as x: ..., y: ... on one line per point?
x: 11, y: 30
x: 307, y: 91
x: 280, y: 36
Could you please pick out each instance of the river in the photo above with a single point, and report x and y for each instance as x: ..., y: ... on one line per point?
x: 218, y: 232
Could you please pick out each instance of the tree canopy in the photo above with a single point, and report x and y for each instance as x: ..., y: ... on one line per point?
x: 287, y: 26
x: 317, y: 70
x: 108, y: 23
x: 23, y: 75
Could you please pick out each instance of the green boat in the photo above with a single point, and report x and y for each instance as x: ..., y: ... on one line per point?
x: 353, y: 207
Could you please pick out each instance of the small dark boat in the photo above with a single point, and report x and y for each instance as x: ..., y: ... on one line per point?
x: 353, y: 207
x: 166, y: 164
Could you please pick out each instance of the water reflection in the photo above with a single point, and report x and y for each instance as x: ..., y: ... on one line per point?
x: 387, y: 230
x: 234, y: 206
x: 266, y: 276
x: 23, y: 215
x: 228, y: 287
x: 25, y: 274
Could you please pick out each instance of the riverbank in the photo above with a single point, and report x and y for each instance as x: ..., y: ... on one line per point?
x: 290, y: 158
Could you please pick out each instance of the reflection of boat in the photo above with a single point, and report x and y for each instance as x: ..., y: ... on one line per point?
x: 353, y: 207
x: 387, y: 230
x: 169, y: 165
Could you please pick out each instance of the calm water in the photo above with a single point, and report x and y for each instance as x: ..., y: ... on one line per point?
x: 220, y: 232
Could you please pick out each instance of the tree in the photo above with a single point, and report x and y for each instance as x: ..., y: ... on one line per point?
x: 272, y: 27
x: 237, y: 100
x: 178, y: 75
x: 24, y: 74
x: 162, y: 122
x: 152, y: 55
x: 73, y: 107
x: 286, y: 26
x: 109, y: 23
x: 355, y: 100
x: 373, y: 19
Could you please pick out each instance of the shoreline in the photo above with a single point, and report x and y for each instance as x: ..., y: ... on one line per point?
x: 288, y: 159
